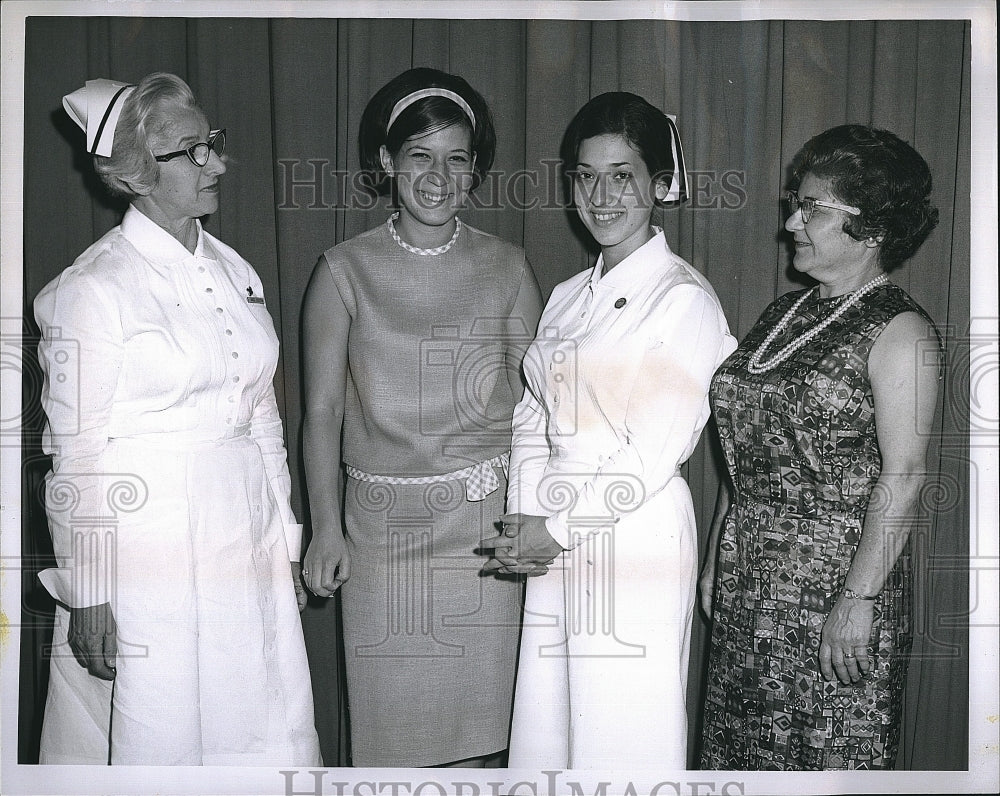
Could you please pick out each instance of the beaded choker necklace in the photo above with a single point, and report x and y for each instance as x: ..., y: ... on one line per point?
x: 422, y: 252
x: 757, y: 366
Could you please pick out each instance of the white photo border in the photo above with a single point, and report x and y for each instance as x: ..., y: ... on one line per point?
x: 983, y: 775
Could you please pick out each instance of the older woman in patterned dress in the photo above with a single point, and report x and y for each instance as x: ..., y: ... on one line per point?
x: 824, y: 412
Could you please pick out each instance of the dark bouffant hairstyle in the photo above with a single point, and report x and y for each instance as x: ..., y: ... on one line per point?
x: 881, y: 175
x: 644, y: 126
x: 424, y: 116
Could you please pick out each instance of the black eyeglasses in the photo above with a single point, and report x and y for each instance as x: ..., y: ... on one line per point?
x: 199, y: 153
x: 808, y: 205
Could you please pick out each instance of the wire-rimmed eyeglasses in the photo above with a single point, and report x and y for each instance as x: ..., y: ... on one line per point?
x: 199, y: 153
x: 808, y: 205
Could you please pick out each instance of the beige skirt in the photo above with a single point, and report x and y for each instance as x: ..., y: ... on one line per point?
x: 430, y: 644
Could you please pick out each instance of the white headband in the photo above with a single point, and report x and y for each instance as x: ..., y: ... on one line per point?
x: 678, y: 191
x: 409, y: 99
x: 95, y: 108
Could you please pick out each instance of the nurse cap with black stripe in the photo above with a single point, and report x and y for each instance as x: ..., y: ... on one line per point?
x: 95, y: 108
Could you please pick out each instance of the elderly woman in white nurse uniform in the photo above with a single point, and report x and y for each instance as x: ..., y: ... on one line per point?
x: 617, y: 395
x: 177, y: 639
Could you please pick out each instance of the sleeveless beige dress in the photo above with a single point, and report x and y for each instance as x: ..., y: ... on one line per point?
x: 430, y: 644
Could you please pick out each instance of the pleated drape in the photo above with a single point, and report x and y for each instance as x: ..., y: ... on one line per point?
x: 747, y: 95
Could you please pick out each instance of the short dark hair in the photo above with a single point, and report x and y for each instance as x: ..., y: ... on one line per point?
x: 643, y: 125
x: 422, y: 117
x: 880, y: 174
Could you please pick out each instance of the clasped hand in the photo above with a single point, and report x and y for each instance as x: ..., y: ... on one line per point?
x: 327, y: 564
x: 524, y: 546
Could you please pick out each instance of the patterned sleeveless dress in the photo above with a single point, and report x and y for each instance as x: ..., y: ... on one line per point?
x: 801, y: 450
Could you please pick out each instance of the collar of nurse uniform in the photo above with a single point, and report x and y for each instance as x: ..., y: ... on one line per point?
x: 155, y: 243
x: 635, y: 268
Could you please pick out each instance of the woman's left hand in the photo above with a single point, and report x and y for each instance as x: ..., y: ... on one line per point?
x: 301, y: 597
x: 525, y: 546
x: 843, y: 649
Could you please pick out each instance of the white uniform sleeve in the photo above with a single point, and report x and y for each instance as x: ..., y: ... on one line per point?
x: 81, y: 354
x: 529, y: 453
x: 667, y: 409
x: 266, y: 429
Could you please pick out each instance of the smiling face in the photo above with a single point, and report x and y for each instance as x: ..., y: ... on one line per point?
x: 434, y: 174
x: 184, y: 191
x: 822, y: 249
x: 614, y: 193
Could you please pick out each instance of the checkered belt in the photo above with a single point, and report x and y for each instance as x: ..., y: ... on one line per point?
x: 480, y: 479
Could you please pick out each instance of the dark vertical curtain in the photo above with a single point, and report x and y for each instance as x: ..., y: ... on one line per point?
x: 747, y: 96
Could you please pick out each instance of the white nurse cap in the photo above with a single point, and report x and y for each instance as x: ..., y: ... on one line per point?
x: 95, y: 108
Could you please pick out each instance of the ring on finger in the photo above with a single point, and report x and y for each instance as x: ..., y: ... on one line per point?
x: 849, y: 656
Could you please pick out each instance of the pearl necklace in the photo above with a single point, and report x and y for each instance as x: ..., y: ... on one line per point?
x: 422, y: 252
x: 755, y: 365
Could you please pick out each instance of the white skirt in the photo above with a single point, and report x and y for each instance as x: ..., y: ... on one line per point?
x: 602, y: 675
x: 211, y: 666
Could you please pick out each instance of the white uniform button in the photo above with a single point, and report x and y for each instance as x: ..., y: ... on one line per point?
x: 235, y: 355
x: 236, y: 379
x: 229, y: 332
x: 219, y: 310
x: 208, y: 290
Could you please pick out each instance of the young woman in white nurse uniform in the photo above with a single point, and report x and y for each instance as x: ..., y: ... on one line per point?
x: 617, y: 386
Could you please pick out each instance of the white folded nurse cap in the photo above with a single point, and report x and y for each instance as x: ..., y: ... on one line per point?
x: 95, y: 108
x: 678, y: 190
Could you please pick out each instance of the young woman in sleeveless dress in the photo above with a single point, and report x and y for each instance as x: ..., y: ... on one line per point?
x: 413, y: 338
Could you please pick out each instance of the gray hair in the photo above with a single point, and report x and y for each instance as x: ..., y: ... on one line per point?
x: 130, y: 170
